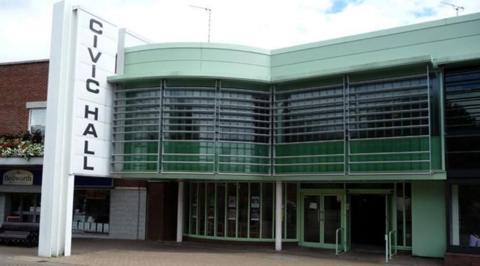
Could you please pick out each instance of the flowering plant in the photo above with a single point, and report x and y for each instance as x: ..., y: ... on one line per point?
x: 25, y: 145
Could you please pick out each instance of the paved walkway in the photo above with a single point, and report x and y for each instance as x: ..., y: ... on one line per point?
x: 122, y: 252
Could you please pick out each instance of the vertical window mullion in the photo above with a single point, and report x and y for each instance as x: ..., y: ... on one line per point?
x: 160, y: 130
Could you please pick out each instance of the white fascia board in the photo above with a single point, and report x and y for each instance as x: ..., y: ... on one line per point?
x: 33, y: 105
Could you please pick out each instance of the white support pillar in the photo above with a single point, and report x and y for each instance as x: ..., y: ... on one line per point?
x: 455, y: 228
x: 57, y: 180
x: 180, y: 212
x: 278, y: 215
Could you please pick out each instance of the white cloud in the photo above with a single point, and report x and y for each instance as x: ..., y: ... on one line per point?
x: 26, y: 28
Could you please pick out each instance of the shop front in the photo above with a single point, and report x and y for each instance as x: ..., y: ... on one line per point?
x: 337, y: 216
x: 20, y: 189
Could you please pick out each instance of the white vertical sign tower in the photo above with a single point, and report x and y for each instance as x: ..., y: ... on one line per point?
x: 79, y: 108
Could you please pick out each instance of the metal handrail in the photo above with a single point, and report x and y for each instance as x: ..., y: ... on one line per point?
x: 388, y: 245
x: 391, y: 236
x: 337, y: 251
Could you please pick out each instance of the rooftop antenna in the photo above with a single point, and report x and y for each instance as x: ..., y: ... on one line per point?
x: 209, y: 10
x: 457, y: 8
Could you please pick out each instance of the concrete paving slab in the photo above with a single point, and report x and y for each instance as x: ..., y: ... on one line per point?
x: 192, y: 253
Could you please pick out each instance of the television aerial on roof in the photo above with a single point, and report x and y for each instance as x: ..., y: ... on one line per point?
x: 456, y: 7
x: 209, y: 11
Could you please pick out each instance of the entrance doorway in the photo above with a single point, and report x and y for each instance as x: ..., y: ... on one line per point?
x: 368, y: 221
x: 322, y: 217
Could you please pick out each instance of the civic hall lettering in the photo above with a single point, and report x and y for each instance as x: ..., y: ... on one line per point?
x: 92, y: 85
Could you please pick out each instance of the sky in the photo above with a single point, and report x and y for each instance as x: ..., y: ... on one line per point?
x: 26, y: 24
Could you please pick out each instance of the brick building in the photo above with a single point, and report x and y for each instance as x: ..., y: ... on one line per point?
x: 21, y: 82
x: 101, y: 208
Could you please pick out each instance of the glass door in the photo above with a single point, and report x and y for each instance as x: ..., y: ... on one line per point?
x: 311, y: 219
x: 332, y: 218
x: 322, y: 216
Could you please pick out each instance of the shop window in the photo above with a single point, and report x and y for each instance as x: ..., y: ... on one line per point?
x: 242, y: 210
x: 210, y: 209
x: 267, y: 210
x: 201, y: 208
x: 193, y: 208
x: 465, y: 216
x: 232, y: 209
x: 291, y: 208
x: 255, y: 204
x: 221, y: 210
x: 23, y: 207
x: 91, y: 211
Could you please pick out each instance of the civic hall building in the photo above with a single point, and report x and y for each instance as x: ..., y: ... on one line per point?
x: 370, y: 141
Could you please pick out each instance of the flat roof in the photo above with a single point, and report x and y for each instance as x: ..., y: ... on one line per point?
x: 24, y: 62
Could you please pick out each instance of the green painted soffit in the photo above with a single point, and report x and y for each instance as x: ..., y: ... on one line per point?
x: 438, y: 42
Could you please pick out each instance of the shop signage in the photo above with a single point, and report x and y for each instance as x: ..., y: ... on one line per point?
x: 96, y: 48
x: 18, y: 177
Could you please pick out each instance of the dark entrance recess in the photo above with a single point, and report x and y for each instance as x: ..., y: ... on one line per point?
x: 162, y: 210
x: 368, y: 220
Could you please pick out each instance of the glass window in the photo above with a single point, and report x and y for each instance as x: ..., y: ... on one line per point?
x: 255, y: 209
x: 237, y: 210
x: 201, y: 208
x: 37, y: 120
x: 193, y: 208
x: 232, y: 209
x: 221, y: 209
x: 389, y: 107
x: 136, y: 114
x: 91, y: 211
x: 462, y: 102
x: 22, y: 207
x: 291, y: 211
x: 465, y: 216
x: 310, y: 113
x: 243, y: 210
x: 210, y: 209
x: 267, y: 210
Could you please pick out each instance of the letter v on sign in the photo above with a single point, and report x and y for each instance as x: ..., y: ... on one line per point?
x: 94, y: 57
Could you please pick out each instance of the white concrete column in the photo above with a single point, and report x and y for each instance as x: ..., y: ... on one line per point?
x: 180, y: 212
x: 57, y: 179
x: 455, y: 228
x: 278, y: 215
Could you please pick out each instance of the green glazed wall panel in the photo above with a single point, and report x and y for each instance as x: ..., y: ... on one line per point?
x: 300, y: 158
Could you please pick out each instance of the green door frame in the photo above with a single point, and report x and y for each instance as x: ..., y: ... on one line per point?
x: 343, y: 217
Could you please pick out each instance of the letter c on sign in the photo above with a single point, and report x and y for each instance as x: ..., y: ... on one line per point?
x: 97, y: 29
x: 89, y: 85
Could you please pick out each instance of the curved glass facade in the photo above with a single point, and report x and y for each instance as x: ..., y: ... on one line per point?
x: 380, y: 122
x: 239, y: 210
